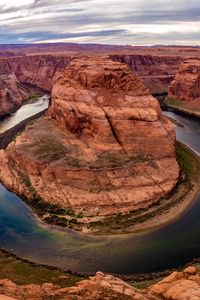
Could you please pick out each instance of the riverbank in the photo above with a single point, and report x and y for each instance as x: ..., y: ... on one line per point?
x: 7, y: 136
x: 181, y: 106
x: 23, y: 272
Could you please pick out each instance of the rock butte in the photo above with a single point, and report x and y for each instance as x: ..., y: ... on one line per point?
x: 177, y: 286
x: 104, y: 148
x: 12, y: 93
x: 186, y: 85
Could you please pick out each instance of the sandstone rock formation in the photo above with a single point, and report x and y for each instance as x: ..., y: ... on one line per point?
x: 178, y: 286
x: 38, y: 70
x: 104, y: 148
x: 12, y: 92
x: 186, y: 86
x: 101, y: 286
x: 156, y: 71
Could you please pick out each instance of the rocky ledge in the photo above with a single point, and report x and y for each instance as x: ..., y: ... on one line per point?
x: 177, y: 286
x: 104, y: 148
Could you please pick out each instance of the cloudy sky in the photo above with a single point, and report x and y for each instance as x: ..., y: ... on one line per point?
x: 133, y: 22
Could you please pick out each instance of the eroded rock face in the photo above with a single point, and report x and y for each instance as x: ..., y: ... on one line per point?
x: 179, y: 286
x: 186, y: 86
x: 156, y: 71
x: 39, y: 70
x: 12, y: 93
x: 104, y: 148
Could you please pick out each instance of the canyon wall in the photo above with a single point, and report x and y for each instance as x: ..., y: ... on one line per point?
x: 12, y: 93
x: 156, y: 71
x: 42, y: 71
x: 38, y: 70
x: 104, y: 148
x: 186, y: 85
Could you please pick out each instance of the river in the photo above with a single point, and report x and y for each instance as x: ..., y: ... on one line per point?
x: 168, y: 247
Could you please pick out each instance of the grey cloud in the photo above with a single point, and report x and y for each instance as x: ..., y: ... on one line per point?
x: 72, y: 16
x: 42, y: 36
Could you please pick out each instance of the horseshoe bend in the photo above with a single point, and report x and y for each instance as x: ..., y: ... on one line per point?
x: 103, y: 148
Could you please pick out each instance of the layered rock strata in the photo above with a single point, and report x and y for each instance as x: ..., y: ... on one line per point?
x: 186, y: 85
x: 104, y: 148
x: 12, y: 93
x: 156, y: 71
x: 39, y: 70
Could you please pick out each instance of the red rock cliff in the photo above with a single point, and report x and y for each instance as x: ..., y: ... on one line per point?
x: 155, y: 71
x: 12, y: 93
x: 39, y: 70
x: 105, y: 147
x: 186, y: 86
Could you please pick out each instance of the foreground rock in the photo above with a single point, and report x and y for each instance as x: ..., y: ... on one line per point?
x: 178, y: 286
x: 97, y: 287
x: 186, y: 86
x: 12, y: 92
x: 105, y: 147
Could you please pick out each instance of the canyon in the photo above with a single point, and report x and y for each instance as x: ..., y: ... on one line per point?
x: 39, y: 70
x: 156, y: 72
x: 103, y: 148
x: 41, y: 66
x: 103, y: 126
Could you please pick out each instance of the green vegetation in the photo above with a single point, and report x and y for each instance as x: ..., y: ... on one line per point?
x: 48, y: 150
x: 32, y: 98
x: 22, y: 272
x: 181, y: 105
x: 187, y: 163
x: 171, y: 101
